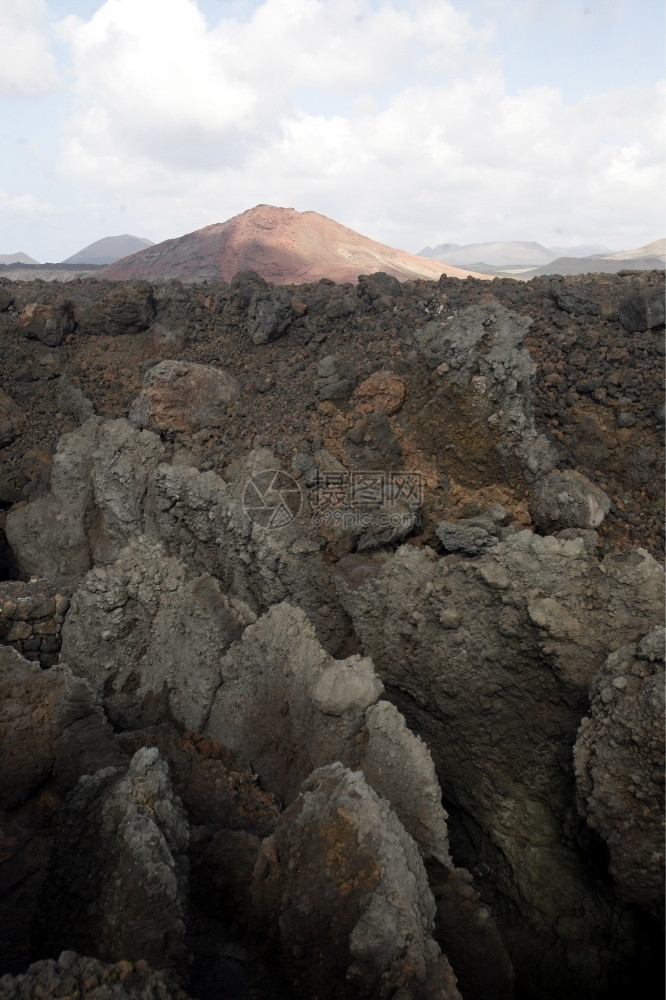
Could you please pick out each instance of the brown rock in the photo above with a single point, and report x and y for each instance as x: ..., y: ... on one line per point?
x: 381, y: 393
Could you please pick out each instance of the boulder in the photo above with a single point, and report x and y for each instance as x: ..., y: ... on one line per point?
x: 482, y: 349
x: 469, y: 537
x: 206, y: 521
x: 642, y: 310
x: 127, y: 308
x: 389, y: 524
x: 124, y: 462
x: 48, y: 322
x: 184, y: 397
x: 371, y: 445
x: 286, y: 705
x: 567, y: 500
x: 72, y: 400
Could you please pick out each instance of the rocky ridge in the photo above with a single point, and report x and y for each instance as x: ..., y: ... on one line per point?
x: 344, y: 612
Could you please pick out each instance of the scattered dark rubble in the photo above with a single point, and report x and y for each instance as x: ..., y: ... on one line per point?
x: 331, y: 645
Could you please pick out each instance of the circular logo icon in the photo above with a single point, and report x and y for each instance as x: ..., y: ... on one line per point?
x: 272, y: 498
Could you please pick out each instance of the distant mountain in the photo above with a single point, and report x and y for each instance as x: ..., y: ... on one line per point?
x: 595, y: 265
x: 579, y: 251
x: 284, y: 246
x: 17, y: 258
x: 646, y: 258
x: 109, y: 250
x: 655, y: 249
x: 434, y: 252
x: 494, y: 254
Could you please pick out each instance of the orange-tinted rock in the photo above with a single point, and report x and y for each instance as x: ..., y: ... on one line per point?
x: 381, y: 393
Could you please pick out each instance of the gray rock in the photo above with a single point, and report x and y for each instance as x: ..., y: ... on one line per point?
x: 468, y: 538
x: 390, y: 524
x: 398, y: 765
x: 123, y: 464
x: 204, y: 520
x: 244, y: 285
x: 642, y: 310
x: 335, y: 379
x: 269, y: 315
x: 117, y: 884
x: 483, y: 350
x: 348, y: 885
x: 276, y: 674
x: 148, y: 636
x: 49, y: 536
x: 72, y: 400
x: 567, y: 500
x: 619, y: 761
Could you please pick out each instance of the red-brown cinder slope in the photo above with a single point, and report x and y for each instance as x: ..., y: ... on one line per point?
x: 284, y: 246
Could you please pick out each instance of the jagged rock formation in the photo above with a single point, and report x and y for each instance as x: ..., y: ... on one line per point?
x: 117, y: 883
x: 619, y: 756
x: 134, y: 625
x: 348, y: 890
x: 528, y: 622
x: 338, y: 517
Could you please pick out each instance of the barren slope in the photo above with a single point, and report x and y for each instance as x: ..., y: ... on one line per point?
x: 283, y: 245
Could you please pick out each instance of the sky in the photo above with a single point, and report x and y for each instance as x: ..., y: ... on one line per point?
x: 415, y: 122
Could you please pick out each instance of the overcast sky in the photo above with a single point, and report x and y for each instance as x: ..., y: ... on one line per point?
x: 416, y: 122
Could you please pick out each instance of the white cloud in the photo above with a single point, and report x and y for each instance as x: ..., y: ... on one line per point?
x: 390, y: 117
x: 27, y: 67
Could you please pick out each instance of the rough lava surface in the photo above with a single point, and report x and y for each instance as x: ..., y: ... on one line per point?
x: 331, y: 645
